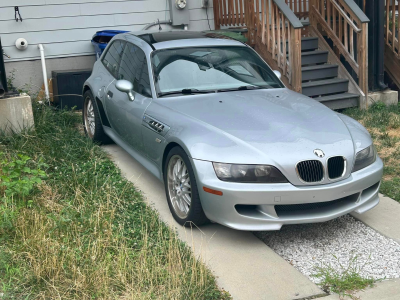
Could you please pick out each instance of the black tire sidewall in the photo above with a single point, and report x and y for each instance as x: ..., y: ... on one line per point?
x: 196, y: 214
x: 99, y: 134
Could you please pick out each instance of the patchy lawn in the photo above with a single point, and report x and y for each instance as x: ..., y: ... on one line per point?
x: 383, y: 123
x: 71, y: 227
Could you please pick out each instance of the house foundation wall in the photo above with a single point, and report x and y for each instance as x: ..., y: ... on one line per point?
x: 27, y: 75
x: 389, y: 97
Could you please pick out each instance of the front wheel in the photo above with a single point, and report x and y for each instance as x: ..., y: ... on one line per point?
x: 181, y: 189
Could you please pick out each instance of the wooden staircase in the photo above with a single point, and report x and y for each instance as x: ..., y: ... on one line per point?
x: 278, y: 30
x: 392, y: 42
x: 320, y: 79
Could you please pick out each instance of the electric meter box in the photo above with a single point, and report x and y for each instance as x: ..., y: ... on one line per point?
x: 179, y: 12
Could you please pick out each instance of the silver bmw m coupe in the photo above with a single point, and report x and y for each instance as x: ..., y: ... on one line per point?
x: 209, y: 118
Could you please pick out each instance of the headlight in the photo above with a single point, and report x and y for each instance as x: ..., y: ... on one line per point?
x: 364, y: 158
x: 248, y: 173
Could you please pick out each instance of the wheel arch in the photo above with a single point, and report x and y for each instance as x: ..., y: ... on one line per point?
x: 86, y: 88
x: 165, y: 154
x: 99, y: 106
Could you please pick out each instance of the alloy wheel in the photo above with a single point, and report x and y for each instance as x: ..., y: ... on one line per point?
x: 179, y: 187
x: 89, y: 117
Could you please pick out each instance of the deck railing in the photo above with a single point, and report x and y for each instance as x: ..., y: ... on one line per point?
x: 275, y: 24
x: 229, y: 13
x: 392, y: 28
x: 271, y: 23
x: 299, y: 7
x: 346, y: 25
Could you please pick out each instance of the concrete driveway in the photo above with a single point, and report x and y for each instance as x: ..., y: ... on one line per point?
x: 244, y: 265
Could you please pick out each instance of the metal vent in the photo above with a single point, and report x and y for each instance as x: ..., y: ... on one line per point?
x: 156, y: 126
x: 336, y: 167
x: 310, y: 170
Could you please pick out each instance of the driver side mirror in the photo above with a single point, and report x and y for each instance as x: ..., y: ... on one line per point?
x: 125, y: 86
x: 278, y: 74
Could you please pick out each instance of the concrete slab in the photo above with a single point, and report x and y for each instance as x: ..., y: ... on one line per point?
x: 15, y: 114
x: 330, y: 297
x: 384, y: 218
x: 385, y: 290
x: 389, y: 97
x: 242, y: 264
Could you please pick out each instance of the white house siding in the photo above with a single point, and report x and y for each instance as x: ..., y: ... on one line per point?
x: 65, y: 28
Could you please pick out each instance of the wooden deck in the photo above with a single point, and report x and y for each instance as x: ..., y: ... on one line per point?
x: 392, y: 42
x: 275, y: 30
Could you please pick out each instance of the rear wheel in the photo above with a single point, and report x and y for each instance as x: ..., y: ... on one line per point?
x: 181, y: 189
x: 91, y: 120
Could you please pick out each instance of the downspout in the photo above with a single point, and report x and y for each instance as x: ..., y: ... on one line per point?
x: 46, y: 87
x: 3, y: 78
x: 381, y: 45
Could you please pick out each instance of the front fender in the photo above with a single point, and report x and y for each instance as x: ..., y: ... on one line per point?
x: 360, y: 135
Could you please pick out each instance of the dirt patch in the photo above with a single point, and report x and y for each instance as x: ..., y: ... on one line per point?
x: 388, y: 151
x: 394, y: 132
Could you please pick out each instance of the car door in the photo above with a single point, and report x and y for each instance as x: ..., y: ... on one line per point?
x: 111, y: 61
x: 127, y: 114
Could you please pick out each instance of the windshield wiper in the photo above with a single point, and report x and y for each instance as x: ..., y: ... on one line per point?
x: 245, y: 87
x: 185, y: 92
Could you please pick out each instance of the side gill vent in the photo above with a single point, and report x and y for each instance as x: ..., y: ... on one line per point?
x: 156, y: 126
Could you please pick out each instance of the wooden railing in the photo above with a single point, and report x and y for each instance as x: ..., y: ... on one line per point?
x: 299, y: 7
x: 347, y: 26
x: 392, y: 41
x: 272, y: 24
x: 229, y: 13
x: 392, y: 28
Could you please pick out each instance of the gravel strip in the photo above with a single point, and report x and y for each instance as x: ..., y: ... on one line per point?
x: 309, y: 245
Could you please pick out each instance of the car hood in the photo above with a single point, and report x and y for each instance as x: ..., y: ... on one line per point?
x: 276, y: 126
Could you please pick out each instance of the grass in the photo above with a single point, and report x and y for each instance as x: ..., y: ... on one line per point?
x: 345, y: 282
x: 79, y: 230
x: 383, y: 123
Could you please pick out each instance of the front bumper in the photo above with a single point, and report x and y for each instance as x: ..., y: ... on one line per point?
x: 247, y: 206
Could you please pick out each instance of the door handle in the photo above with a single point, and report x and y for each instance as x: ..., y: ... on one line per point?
x: 110, y: 94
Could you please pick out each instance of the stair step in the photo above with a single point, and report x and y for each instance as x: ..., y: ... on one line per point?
x: 309, y: 43
x: 339, y: 101
x: 314, y: 57
x: 316, y: 72
x: 325, y: 87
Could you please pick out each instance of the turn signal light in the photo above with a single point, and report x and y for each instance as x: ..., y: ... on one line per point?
x: 211, y: 191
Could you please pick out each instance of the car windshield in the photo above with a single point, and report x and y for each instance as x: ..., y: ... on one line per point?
x: 210, y: 69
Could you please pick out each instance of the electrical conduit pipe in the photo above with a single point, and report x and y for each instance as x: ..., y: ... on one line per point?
x: 46, y: 86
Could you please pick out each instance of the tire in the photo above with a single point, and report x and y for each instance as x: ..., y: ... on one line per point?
x: 91, y: 120
x: 182, y: 193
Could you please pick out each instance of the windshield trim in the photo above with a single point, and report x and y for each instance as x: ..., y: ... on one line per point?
x: 243, y: 46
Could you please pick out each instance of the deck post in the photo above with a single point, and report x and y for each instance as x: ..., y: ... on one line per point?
x: 362, y: 47
x: 217, y: 24
x: 295, y: 58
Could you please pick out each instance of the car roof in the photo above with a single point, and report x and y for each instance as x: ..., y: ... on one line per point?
x: 184, y: 38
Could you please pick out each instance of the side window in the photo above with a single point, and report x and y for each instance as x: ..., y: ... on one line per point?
x: 134, y: 69
x: 113, y: 56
